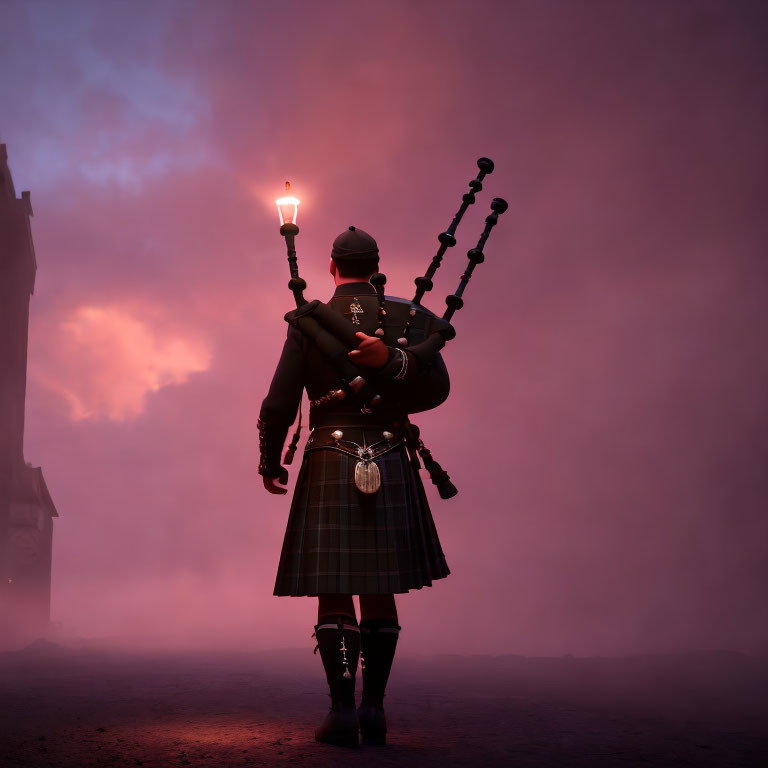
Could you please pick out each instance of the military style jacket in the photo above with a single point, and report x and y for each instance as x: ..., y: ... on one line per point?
x: 406, y: 387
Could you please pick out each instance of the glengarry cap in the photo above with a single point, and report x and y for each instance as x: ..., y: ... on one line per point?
x: 354, y: 244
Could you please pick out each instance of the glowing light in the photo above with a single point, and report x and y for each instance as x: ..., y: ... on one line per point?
x: 288, y: 207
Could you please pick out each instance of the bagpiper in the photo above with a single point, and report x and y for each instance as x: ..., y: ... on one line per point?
x: 359, y: 522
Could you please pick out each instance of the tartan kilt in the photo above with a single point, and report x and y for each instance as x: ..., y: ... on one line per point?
x: 340, y: 540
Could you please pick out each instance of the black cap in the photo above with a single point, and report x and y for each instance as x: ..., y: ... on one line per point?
x: 354, y: 244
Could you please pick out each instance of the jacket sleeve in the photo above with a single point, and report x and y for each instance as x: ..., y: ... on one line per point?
x: 417, y: 384
x: 279, y: 407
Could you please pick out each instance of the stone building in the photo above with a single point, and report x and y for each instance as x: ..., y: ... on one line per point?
x: 26, y: 508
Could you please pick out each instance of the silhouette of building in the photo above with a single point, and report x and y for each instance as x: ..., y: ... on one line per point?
x: 26, y: 508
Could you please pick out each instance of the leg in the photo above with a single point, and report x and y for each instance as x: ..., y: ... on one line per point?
x: 378, y: 607
x: 331, y: 603
x: 338, y: 640
x: 379, y: 632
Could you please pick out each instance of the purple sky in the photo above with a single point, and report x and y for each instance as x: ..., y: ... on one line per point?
x: 607, y: 426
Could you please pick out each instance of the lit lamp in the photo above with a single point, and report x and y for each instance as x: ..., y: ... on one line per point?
x: 288, y: 208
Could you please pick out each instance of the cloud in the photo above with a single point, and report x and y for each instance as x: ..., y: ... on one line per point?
x: 104, y: 360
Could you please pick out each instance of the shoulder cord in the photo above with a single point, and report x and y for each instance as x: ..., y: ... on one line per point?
x: 403, y: 365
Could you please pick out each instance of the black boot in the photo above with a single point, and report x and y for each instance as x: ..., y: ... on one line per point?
x: 379, y: 640
x: 338, y: 638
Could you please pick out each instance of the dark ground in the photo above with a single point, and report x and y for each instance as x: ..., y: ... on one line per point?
x: 89, y: 706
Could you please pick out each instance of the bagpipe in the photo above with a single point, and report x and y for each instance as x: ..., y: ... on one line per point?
x: 335, y: 336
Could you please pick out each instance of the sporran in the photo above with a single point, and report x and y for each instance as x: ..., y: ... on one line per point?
x: 367, y: 475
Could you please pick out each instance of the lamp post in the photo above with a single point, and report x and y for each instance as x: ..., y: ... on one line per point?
x: 288, y: 208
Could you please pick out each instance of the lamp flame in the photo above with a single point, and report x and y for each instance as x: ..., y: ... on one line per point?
x: 288, y: 207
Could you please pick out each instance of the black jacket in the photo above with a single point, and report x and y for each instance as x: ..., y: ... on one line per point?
x: 303, y: 366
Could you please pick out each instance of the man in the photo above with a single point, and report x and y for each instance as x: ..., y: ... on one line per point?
x: 359, y: 522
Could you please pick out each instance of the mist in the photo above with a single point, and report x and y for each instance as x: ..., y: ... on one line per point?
x: 607, y: 424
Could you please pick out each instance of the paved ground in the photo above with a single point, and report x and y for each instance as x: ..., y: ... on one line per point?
x: 83, y: 707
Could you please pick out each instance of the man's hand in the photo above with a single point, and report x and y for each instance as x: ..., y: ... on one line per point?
x: 371, y: 351
x: 270, y: 483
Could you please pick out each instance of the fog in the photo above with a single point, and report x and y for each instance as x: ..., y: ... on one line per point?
x: 607, y: 421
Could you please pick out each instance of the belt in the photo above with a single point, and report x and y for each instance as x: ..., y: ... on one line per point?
x: 364, y: 443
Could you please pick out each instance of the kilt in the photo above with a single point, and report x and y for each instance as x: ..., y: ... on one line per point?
x: 340, y: 540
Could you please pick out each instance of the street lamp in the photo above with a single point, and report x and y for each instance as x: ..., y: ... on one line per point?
x: 288, y: 208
